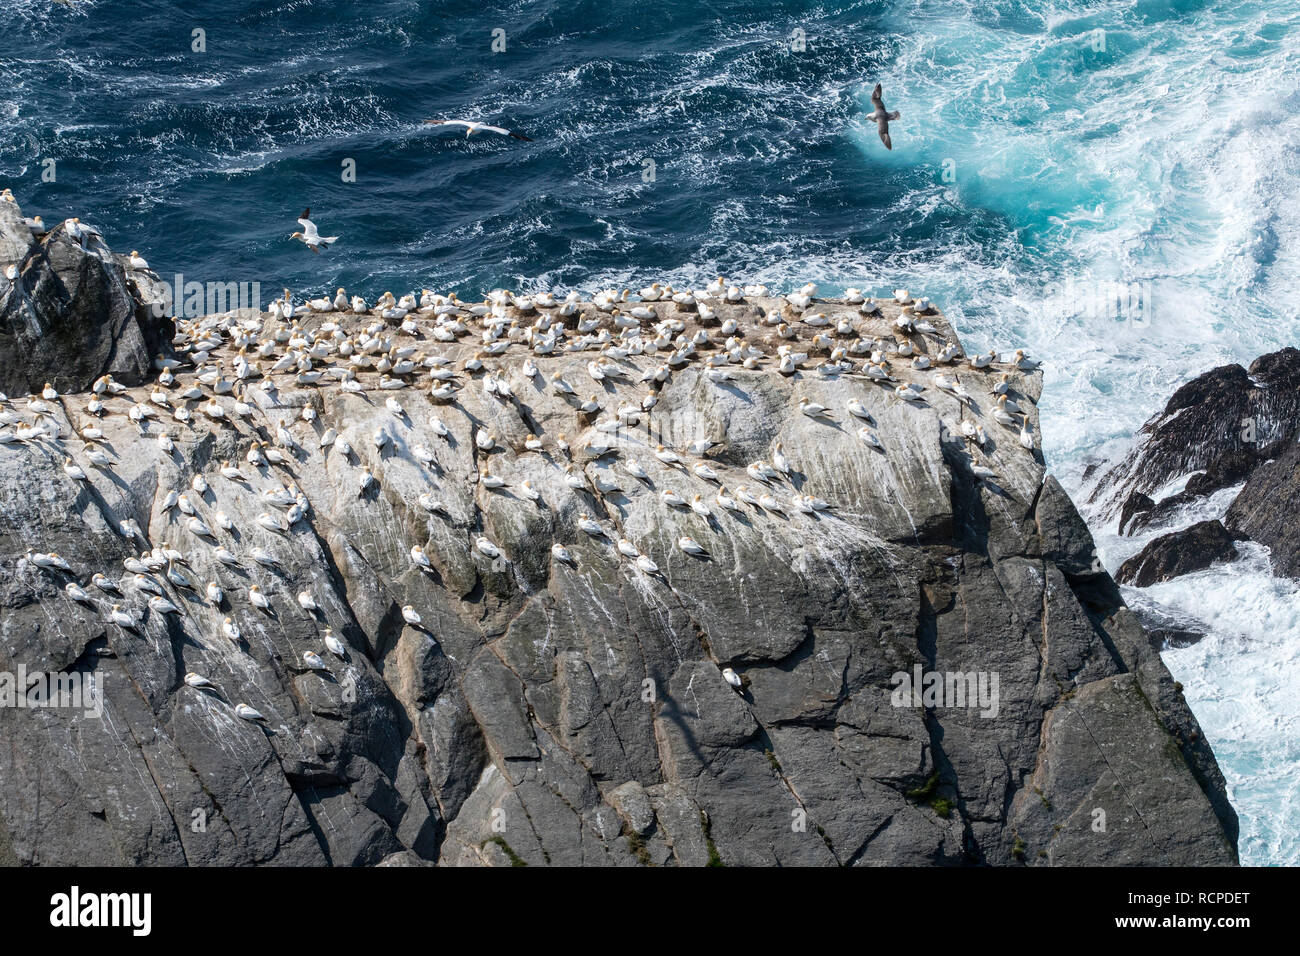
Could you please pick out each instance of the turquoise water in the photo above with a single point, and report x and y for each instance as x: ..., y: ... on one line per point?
x: 1107, y: 183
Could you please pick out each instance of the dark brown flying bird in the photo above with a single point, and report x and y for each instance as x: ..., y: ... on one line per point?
x: 882, y: 116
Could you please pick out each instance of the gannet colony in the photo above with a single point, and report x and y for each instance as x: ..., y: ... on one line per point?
x: 631, y: 578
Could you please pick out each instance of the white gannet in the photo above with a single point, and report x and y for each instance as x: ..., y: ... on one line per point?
x: 121, y: 618
x: 672, y: 499
x: 591, y: 526
x: 1024, y: 364
x: 310, y: 237
x: 691, y: 546
x: 561, y: 553
x: 429, y: 503
x: 868, y: 436
x: 410, y: 615
x: 230, y: 630
x: 248, y: 713
x: 732, y: 678
x: 334, y: 645
x: 1010, y: 405
x: 725, y: 500
x: 306, y: 601
x: 161, y: 605
x: 313, y: 660
x: 214, y: 593
x: 477, y: 126
x: 779, y: 461
x: 270, y: 522
x: 1003, y: 417
x: 667, y: 456
x: 858, y: 410
x: 197, y: 681
x: 486, y: 547
x: 704, y: 471
x: 77, y: 593
x: 257, y: 598
x: 812, y: 409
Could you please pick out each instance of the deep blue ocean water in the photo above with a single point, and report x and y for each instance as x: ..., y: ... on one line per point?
x: 1110, y: 184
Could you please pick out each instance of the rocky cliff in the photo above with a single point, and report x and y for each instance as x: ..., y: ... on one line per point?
x: 496, y: 699
x: 1231, y: 430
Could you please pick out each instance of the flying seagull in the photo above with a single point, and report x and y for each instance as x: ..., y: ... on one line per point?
x: 477, y: 126
x: 882, y: 116
x: 310, y: 237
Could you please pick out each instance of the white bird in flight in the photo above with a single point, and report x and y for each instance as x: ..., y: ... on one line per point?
x: 310, y: 236
x: 476, y: 126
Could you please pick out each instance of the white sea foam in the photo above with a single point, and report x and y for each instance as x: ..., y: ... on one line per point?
x: 1241, y: 683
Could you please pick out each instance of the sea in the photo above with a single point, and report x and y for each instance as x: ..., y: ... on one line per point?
x: 1108, y: 184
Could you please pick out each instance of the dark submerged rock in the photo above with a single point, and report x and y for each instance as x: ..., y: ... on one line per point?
x: 1178, y: 553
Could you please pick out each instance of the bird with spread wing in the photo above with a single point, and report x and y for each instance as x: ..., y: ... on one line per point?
x: 882, y: 116
x: 476, y: 126
x: 310, y: 236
